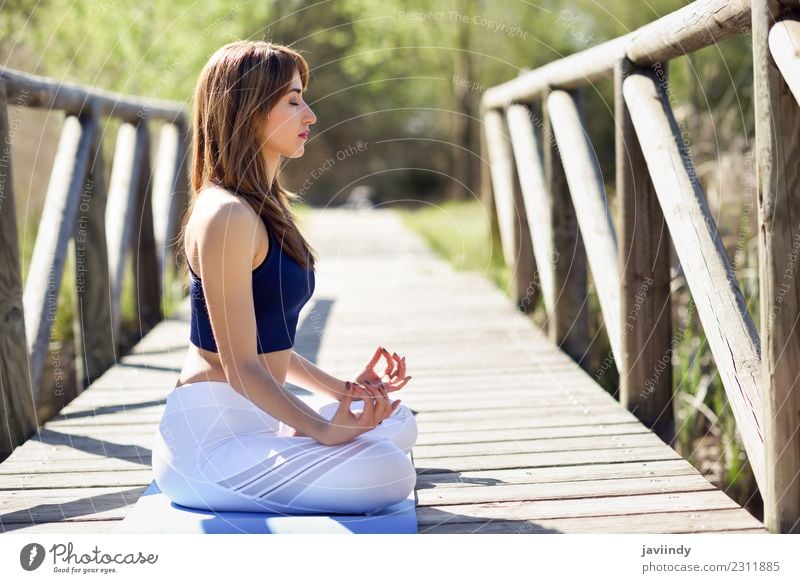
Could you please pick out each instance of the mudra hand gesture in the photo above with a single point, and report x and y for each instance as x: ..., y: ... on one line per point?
x: 395, y: 372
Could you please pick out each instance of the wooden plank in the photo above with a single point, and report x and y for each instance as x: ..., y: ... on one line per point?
x: 448, y: 450
x: 564, y: 491
x: 554, y: 475
x: 645, y: 380
x: 42, y: 466
x: 720, y: 304
x: 539, y: 459
x: 569, y: 327
x: 77, y: 446
x: 37, y: 506
x: 502, y: 412
x: 580, y: 507
x: 17, y: 407
x: 777, y: 148
x: 692, y: 522
x: 590, y: 202
x: 494, y: 435
x: 574, y: 419
x: 70, y: 527
x: 76, y: 479
x: 56, y: 227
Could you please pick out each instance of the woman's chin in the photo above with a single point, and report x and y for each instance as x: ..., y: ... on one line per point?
x: 297, y: 153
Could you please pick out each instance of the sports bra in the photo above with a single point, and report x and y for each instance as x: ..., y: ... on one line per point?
x: 281, y: 287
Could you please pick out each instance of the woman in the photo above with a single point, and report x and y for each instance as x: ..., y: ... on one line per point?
x: 232, y: 437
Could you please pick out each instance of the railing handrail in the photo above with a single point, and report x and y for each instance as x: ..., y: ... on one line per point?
x: 74, y: 99
x: 688, y: 29
x: 658, y: 187
x: 104, y: 225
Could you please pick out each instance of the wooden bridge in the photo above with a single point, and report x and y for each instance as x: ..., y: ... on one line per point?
x: 514, y: 435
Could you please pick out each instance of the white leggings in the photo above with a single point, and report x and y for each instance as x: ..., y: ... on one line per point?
x: 216, y: 450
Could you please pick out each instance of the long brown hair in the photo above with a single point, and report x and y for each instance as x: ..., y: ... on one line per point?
x: 237, y: 88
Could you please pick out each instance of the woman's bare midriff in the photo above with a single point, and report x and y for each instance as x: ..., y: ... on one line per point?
x: 204, y: 365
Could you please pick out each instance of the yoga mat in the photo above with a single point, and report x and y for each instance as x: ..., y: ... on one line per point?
x: 155, y: 513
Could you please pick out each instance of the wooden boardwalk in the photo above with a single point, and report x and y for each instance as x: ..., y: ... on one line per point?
x: 513, y: 436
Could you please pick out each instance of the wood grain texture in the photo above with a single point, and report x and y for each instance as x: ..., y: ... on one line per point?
x: 17, y: 405
x: 720, y: 304
x: 645, y: 384
x: 587, y: 190
x: 569, y: 326
x: 777, y: 118
x: 503, y: 178
x: 536, y: 198
x: 56, y: 227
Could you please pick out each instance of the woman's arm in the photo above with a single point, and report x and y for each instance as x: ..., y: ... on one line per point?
x: 304, y: 373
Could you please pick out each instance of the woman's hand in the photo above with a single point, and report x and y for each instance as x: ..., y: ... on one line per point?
x: 395, y: 372
x: 346, y: 424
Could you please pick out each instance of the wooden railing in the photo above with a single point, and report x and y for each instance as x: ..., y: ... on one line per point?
x: 137, y: 215
x: 548, y: 193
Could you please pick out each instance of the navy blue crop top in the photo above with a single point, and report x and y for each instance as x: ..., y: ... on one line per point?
x: 281, y: 287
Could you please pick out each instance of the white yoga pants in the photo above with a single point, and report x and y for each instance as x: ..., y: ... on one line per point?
x: 216, y: 450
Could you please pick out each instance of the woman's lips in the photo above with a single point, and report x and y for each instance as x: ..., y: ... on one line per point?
x: 304, y: 135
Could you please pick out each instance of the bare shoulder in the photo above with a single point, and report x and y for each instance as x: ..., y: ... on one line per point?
x: 220, y: 219
x: 215, y: 204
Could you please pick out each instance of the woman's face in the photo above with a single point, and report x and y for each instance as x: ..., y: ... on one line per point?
x: 287, y: 128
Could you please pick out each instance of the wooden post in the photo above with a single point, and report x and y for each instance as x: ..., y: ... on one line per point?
x: 514, y: 228
x: 589, y: 200
x: 502, y: 172
x: 487, y: 196
x: 524, y: 275
x: 645, y: 386
x: 145, y: 254
x: 94, y: 340
x: 569, y: 327
x: 17, y: 406
x: 169, y: 196
x: 777, y: 152
x: 720, y: 304
x: 525, y: 142
x: 50, y: 251
x: 784, y: 38
x: 181, y: 198
x: 122, y: 196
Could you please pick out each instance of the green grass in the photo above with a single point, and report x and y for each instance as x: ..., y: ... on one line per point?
x: 459, y: 232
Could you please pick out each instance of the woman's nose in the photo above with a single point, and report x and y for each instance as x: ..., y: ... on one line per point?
x: 311, y: 118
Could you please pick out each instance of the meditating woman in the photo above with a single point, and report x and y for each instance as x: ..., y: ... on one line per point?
x: 232, y: 436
